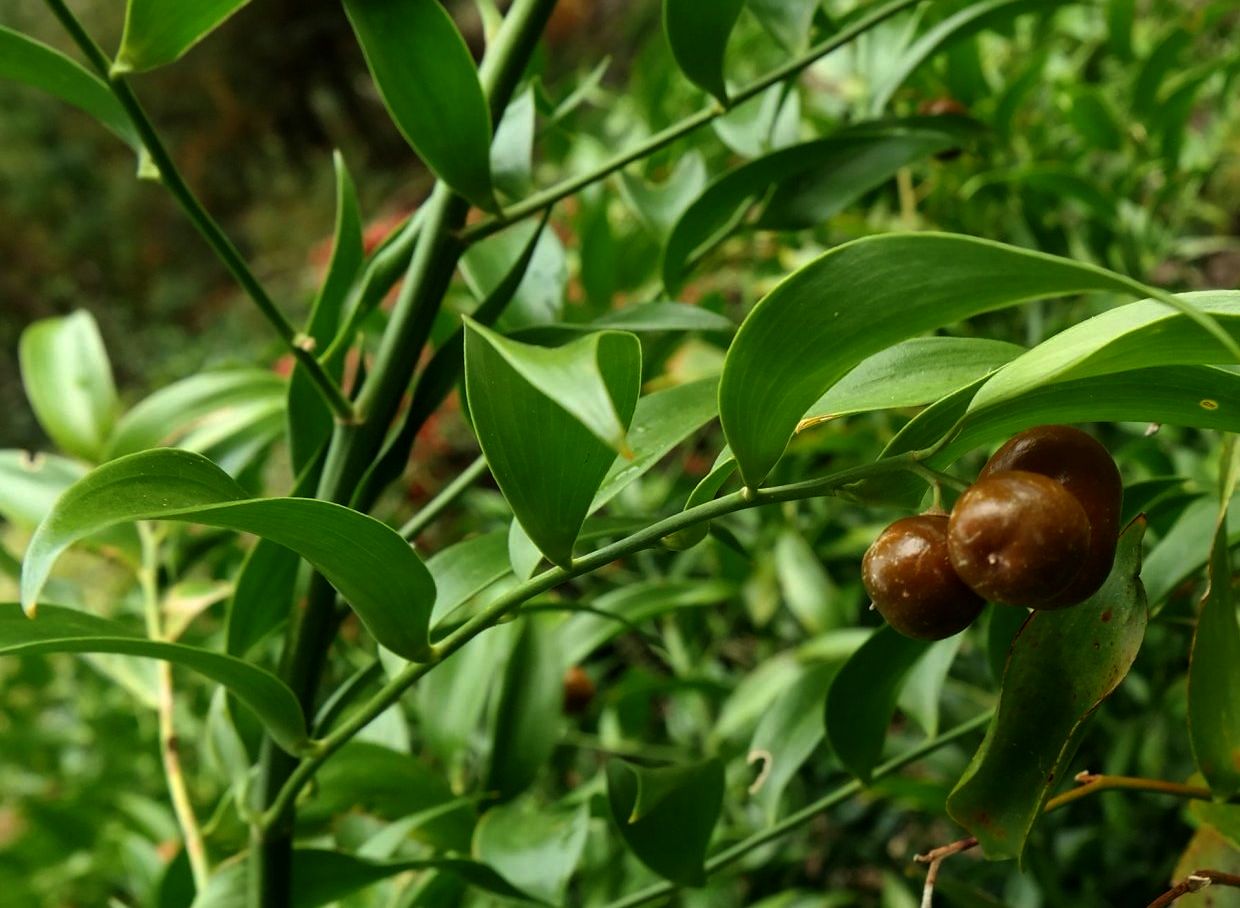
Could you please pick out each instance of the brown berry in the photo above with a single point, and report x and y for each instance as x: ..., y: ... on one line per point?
x: 909, y: 576
x: 578, y: 690
x: 1085, y: 468
x: 1018, y: 538
x: 940, y: 107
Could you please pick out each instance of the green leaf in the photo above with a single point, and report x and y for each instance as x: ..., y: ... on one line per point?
x: 704, y: 491
x: 666, y: 815
x: 69, y: 383
x: 30, y: 485
x: 465, y: 569
x: 171, y: 413
x: 1199, y: 396
x: 811, y: 181
x: 788, y: 21
x: 919, y: 698
x: 698, y: 31
x: 263, y: 591
x: 661, y: 421
x: 961, y: 24
x: 531, y: 256
x: 910, y: 374
x: 789, y: 732
x: 427, y: 79
x: 851, y: 302
x: 310, y: 420
x: 32, y: 63
x: 62, y: 630
x: 535, y: 849
x: 373, y: 568
x: 158, y: 32
x: 807, y: 589
x: 1208, y: 848
x: 1214, y: 677
x: 549, y: 420
x: 527, y: 718
x: 450, y: 700
x: 623, y: 609
x: 658, y: 206
x: 863, y: 696
x: 390, y: 785
x: 513, y: 148
x: 321, y: 877
x: 1062, y: 665
x: 1138, y: 335
x: 664, y: 316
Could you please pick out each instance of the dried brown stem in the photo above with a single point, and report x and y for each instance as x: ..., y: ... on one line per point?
x: 935, y: 858
x: 1195, y: 882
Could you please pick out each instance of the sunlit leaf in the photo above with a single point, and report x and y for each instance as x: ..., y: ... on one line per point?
x: 62, y: 630
x: 160, y: 31
x: 372, y: 567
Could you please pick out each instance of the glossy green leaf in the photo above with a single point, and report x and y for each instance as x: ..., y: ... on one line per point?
x: 68, y: 381
x: 812, y: 181
x: 263, y: 590
x: 30, y: 484
x: 923, y: 688
x: 850, y: 303
x: 62, y: 630
x: 1214, y: 677
x: 513, y: 148
x: 698, y: 32
x: 1185, y: 548
x: 658, y: 206
x: 541, y: 273
x: 158, y: 32
x: 788, y: 733
x: 310, y: 420
x: 661, y: 421
x: 1003, y: 623
x: 788, y: 21
x: 961, y: 24
x: 527, y: 717
x: 523, y: 555
x: 372, y: 567
x: 863, y: 697
x: 666, y: 815
x: 390, y: 785
x: 628, y: 607
x: 549, y: 420
x: 465, y: 569
x: 321, y: 877
x: 427, y: 79
x: 24, y: 60
x: 664, y: 316
x: 1138, y: 335
x: 168, y: 415
x: 1062, y: 665
x: 535, y: 849
x: 910, y: 374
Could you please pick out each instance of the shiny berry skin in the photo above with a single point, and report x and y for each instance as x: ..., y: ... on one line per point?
x: 1085, y: 468
x: 910, y: 579
x: 1018, y: 538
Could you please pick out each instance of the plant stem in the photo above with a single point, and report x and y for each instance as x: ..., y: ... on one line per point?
x: 169, y: 743
x: 1196, y: 881
x: 548, y: 197
x: 448, y: 494
x: 355, y: 444
x: 734, y: 853
x: 496, y: 611
x: 1089, y: 783
x: 219, y: 242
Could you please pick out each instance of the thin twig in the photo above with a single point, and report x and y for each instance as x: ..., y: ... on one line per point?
x: 1195, y: 882
x: 169, y: 743
x: 448, y: 494
x: 935, y: 857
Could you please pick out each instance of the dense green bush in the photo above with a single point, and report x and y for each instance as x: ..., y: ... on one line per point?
x: 526, y: 569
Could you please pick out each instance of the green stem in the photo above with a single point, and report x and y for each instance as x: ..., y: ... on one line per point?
x: 448, y: 494
x: 548, y: 197
x: 549, y: 579
x: 734, y: 853
x: 169, y: 743
x: 219, y: 242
